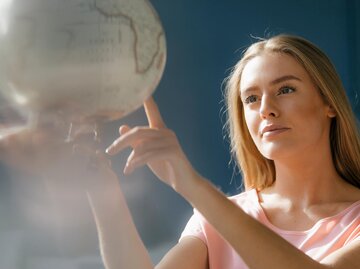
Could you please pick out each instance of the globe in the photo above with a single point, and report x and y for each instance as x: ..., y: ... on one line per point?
x: 79, y: 60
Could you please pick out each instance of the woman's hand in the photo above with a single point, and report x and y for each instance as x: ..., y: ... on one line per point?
x: 156, y: 146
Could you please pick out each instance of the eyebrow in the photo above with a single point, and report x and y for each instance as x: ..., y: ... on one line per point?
x: 274, y: 82
x: 284, y: 78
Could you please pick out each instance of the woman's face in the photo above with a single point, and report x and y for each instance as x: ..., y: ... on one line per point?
x: 284, y: 111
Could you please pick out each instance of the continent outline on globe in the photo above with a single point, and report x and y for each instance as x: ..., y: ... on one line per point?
x: 91, y: 58
x: 134, y: 24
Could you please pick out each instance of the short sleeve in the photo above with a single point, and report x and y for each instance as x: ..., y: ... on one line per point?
x: 194, y: 227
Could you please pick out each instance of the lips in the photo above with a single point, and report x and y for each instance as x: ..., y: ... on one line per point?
x: 273, y: 129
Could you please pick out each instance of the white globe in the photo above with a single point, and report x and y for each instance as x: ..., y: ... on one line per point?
x: 83, y: 60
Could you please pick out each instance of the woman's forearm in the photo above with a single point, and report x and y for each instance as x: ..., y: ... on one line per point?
x: 258, y: 246
x: 120, y: 243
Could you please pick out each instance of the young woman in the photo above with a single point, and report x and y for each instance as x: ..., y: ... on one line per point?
x: 296, y: 141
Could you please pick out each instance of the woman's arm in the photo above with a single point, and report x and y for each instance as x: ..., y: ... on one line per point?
x: 120, y: 243
x: 43, y: 152
x: 259, y: 247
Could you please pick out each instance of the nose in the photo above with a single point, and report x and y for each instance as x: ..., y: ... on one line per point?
x: 268, y: 107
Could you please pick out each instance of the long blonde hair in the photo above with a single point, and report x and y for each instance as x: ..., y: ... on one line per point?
x: 259, y: 172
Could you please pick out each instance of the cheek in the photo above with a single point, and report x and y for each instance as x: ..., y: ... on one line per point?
x: 252, y: 122
x: 316, y: 126
x: 311, y: 117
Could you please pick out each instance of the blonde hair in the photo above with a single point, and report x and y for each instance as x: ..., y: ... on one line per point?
x: 259, y: 172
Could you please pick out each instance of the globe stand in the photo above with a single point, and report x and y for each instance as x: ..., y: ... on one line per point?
x: 78, y: 130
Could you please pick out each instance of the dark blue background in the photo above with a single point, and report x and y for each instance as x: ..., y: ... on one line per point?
x: 204, y: 40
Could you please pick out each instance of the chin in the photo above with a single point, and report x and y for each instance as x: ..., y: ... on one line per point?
x: 273, y: 152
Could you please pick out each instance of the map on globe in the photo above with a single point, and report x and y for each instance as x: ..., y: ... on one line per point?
x: 84, y: 58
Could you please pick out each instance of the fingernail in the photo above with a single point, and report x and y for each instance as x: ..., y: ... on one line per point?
x: 108, y: 150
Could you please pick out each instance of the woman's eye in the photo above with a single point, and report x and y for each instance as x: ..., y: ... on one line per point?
x: 285, y: 90
x: 251, y: 99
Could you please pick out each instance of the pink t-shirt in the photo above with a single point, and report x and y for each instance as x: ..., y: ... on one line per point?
x: 325, y: 237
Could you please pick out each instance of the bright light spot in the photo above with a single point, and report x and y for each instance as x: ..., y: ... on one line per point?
x: 20, y: 99
x: 4, y: 10
x: 16, y: 96
x: 11, y: 131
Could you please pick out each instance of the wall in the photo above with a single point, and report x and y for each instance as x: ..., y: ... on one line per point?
x: 204, y: 40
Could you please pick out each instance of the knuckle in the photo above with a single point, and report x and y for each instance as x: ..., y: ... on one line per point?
x: 136, y: 129
x: 170, y: 132
x: 139, y: 129
x: 141, y: 147
x: 117, y: 142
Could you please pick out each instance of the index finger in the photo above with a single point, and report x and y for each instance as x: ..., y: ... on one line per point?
x: 153, y: 114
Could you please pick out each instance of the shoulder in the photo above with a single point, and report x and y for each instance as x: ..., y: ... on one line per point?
x: 246, y: 198
x: 248, y: 201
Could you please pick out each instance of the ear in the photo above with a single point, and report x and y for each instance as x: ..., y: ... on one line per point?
x: 331, y: 113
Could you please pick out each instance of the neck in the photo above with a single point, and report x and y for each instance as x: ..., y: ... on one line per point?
x: 308, y: 179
